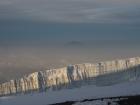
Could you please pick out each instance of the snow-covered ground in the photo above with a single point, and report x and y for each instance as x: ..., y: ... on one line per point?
x: 76, y: 94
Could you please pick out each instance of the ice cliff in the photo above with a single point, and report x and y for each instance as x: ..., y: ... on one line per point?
x: 103, y: 73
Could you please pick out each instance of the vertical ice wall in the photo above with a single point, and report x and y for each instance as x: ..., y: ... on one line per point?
x: 73, y: 75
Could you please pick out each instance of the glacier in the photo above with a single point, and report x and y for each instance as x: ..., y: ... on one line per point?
x: 99, y: 74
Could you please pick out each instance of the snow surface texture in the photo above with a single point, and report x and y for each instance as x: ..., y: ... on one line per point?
x: 75, y: 76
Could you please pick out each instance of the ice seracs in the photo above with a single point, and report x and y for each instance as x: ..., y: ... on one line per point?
x: 103, y: 73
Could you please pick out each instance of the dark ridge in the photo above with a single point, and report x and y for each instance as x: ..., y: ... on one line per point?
x: 131, y: 100
x: 122, y: 100
x: 65, y: 103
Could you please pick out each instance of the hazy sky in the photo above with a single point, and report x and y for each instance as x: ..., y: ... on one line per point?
x: 39, y: 34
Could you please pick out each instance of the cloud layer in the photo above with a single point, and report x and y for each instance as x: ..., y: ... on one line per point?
x: 97, y: 11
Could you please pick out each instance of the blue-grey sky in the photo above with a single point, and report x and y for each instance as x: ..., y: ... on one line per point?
x: 38, y: 34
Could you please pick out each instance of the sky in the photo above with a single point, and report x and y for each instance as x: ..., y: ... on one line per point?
x: 74, y: 11
x: 42, y: 34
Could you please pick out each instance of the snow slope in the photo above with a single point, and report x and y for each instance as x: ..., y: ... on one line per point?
x: 85, y: 92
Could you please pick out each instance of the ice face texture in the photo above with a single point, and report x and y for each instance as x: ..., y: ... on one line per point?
x: 103, y: 73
